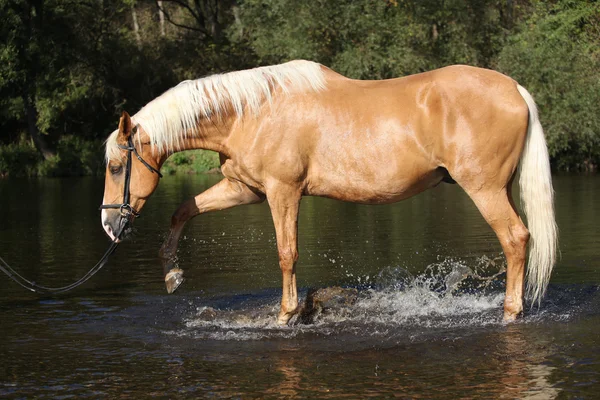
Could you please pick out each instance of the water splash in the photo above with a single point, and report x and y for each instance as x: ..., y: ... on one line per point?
x: 448, y: 294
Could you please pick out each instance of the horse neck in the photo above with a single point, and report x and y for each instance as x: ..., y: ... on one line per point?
x: 208, y: 135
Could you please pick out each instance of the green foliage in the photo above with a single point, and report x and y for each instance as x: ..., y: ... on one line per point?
x: 191, y: 161
x: 361, y: 39
x: 72, y: 67
x: 374, y: 39
x: 556, y: 57
x: 19, y: 159
x: 179, y: 159
x: 75, y: 157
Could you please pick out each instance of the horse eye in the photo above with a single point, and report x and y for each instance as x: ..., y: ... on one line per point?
x: 115, y: 169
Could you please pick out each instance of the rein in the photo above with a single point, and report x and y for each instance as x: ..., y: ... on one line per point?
x: 126, y: 211
x: 34, y: 287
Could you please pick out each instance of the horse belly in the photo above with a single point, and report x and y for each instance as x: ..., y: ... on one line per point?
x: 373, y: 184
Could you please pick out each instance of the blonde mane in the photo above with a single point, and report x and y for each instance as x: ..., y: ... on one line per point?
x: 176, y: 113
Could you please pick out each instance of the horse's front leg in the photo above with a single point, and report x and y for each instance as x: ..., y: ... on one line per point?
x: 225, y: 194
x: 284, y: 203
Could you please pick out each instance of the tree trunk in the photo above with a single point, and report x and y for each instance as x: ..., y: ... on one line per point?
x: 238, y: 22
x: 38, y: 139
x: 34, y: 22
x: 136, y: 28
x: 509, y: 13
x: 161, y: 17
x: 210, y: 11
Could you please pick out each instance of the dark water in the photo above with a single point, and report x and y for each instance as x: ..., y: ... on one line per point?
x: 426, y: 324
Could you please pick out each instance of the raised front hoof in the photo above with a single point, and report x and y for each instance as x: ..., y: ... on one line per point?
x: 174, y: 279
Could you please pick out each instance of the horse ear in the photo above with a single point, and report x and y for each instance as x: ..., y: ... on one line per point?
x: 124, y: 128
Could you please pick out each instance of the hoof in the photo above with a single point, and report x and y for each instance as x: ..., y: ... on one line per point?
x: 511, y: 316
x: 283, y: 320
x: 174, y: 279
x: 284, y: 317
x: 513, y: 309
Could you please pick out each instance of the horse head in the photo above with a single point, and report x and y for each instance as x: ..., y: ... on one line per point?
x: 129, y: 180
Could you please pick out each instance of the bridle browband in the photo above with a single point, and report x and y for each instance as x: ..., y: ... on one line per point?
x: 126, y: 210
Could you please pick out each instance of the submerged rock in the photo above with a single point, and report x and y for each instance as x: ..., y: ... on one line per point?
x: 207, y: 314
x: 232, y: 318
x: 326, y: 301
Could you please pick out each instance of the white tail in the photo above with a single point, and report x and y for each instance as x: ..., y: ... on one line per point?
x: 537, y: 198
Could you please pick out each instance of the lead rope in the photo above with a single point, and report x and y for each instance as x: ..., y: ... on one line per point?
x: 127, y: 212
x: 34, y: 287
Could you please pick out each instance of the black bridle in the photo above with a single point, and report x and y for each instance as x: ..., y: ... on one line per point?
x: 127, y: 211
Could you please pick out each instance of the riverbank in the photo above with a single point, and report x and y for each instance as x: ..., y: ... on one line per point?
x: 77, y: 157
x: 192, y: 162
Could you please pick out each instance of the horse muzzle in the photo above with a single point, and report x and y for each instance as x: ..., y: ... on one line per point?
x: 117, y: 223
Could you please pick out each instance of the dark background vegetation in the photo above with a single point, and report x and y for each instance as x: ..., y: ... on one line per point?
x: 68, y: 67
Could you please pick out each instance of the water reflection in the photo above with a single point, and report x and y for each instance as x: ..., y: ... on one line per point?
x: 284, y: 364
x: 407, y: 335
x: 521, y: 363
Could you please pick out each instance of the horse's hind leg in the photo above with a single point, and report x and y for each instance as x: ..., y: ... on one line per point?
x: 499, y: 211
x: 225, y: 194
x: 284, y: 202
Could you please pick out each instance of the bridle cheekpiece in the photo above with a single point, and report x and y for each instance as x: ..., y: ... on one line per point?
x: 126, y: 210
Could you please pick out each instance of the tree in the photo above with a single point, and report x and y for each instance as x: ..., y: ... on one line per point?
x: 375, y: 39
x: 23, y: 24
x: 206, y: 17
x: 556, y: 56
x: 69, y: 67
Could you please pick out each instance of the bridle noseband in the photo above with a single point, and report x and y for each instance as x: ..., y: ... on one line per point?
x: 127, y: 211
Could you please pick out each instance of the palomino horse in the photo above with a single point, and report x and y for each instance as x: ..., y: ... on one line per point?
x: 299, y: 128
